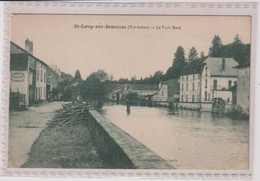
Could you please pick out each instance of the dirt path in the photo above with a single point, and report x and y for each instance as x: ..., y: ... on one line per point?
x: 24, y: 128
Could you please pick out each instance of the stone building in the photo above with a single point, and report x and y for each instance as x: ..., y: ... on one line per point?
x: 27, y: 73
x: 190, y: 82
x: 218, y: 76
x: 190, y: 85
x: 243, y: 86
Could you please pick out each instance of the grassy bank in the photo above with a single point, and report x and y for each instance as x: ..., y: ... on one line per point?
x: 67, y: 146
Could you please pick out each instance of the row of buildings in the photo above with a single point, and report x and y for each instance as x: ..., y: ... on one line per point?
x: 202, y: 85
x: 31, y: 79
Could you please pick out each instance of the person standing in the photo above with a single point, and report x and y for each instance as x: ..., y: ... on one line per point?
x: 127, y: 106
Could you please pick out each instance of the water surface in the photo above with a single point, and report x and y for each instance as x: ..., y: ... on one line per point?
x: 188, y: 139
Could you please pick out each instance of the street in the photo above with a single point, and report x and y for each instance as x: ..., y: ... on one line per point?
x: 24, y: 129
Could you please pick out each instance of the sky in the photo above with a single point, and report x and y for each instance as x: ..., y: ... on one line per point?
x: 122, y: 52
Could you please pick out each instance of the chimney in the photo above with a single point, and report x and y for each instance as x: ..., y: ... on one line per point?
x: 223, y: 64
x: 29, y: 46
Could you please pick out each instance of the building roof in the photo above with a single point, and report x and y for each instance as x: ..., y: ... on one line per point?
x: 144, y: 87
x: 25, y: 52
x: 214, y: 65
x: 193, y: 67
x: 19, y: 62
x: 243, y: 64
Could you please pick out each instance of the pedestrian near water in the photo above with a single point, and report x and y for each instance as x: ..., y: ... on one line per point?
x: 127, y: 106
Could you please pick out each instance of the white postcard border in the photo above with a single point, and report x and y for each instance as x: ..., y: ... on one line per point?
x: 127, y: 8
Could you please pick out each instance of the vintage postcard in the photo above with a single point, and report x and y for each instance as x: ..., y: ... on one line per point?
x: 119, y: 88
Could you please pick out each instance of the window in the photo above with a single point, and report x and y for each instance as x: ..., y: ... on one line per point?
x: 205, y: 97
x: 187, y: 87
x: 206, y: 71
x: 192, y: 98
x: 215, y: 85
x: 44, y: 77
x: 36, y: 92
x: 39, y: 92
x: 235, y: 82
x: 193, y: 86
x: 186, y: 98
x: 182, y: 98
x: 206, y: 83
x: 187, y: 77
x: 182, y: 87
x: 193, y: 77
x: 37, y: 74
x: 41, y: 75
x: 209, y: 97
x: 229, y: 84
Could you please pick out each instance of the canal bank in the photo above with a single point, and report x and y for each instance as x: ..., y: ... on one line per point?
x: 187, y: 140
x: 119, y: 148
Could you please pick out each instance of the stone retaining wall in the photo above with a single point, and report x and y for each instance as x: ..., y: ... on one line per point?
x: 119, y: 149
x: 204, y: 106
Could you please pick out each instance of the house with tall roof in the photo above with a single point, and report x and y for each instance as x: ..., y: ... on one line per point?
x: 28, y: 74
x: 190, y: 85
x: 142, y: 90
x: 243, y: 86
x: 169, y: 91
x: 217, y: 78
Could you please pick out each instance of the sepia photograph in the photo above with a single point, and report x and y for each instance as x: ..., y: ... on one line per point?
x: 129, y: 92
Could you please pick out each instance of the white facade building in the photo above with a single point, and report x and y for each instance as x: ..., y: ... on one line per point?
x: 218, y: 76
x: 190, y: 82
x: 190, y: 88
x: 27, y: 74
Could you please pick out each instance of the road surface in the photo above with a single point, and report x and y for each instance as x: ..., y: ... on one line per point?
x: 24, y: 129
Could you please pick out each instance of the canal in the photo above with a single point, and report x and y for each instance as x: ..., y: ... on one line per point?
x: 189, y: 139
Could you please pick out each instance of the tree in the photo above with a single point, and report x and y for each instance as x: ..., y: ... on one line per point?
x: 237, y: 40
x: 101, y: 75
x: 193, y: 54
x: 77, y: 76
x: 110, y: 77
x: 158, y: 76
x: 214, y: 50
x: 179, y: 57
x: 133, y: 78
x: 238, y: 50
x: 177, y: 65
x: 55, y: 68
x: 92, y: 88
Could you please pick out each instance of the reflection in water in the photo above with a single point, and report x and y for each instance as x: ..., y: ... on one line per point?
x: 193, y: 139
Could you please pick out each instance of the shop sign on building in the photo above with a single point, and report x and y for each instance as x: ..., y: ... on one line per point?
x: 17, y: 76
